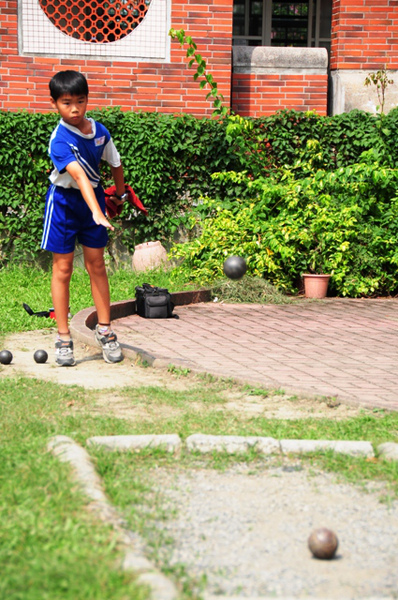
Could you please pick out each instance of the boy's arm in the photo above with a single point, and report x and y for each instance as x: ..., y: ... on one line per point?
x: 78, y: 174
x: 118, y: 178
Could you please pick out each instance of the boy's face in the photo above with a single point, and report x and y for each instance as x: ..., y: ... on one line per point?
x: 71, y: 108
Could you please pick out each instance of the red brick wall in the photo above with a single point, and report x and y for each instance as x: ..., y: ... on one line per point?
x: 132, y: 85
x: 258, y: 95
x: 364, y: 34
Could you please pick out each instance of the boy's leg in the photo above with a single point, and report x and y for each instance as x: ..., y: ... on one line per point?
x: 95, y: 265
x: 62, y: 272
x: 105, y: 337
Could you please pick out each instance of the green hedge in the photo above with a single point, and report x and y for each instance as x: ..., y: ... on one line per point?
x: 169, y: 160
x: 342, y: 222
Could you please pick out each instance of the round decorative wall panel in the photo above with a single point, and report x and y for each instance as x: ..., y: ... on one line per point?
x: 96, y: 21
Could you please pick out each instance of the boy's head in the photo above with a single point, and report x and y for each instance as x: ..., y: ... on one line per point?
x: 68, y: 82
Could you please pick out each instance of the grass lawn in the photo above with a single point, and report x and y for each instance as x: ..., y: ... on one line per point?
x: 31, y: 285
x: 51, y: 547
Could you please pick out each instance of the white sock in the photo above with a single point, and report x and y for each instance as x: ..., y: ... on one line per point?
x: 66, y: 337
x: 104, y: 329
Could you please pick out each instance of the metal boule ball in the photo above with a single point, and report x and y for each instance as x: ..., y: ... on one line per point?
x: 323, y: 543
x: 235, y: 267
x: 5, y: 357
x: 40, y: 356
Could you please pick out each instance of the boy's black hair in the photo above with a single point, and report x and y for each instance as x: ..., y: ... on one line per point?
x: 68, y: 82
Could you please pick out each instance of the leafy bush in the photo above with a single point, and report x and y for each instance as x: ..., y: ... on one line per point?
x: 343, y: 222
x: 170, y: 160
x: 23, y: 181
x: 281, y: 139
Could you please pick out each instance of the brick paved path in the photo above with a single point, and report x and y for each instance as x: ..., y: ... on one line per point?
x: 336, y: 347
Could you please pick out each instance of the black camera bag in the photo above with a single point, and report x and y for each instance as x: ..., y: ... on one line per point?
x: 153, y: 302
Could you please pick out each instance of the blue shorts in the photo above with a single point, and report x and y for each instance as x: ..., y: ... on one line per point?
x: 67, y: 218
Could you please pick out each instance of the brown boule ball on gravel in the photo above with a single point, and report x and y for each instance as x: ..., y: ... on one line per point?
x: 323, y: 543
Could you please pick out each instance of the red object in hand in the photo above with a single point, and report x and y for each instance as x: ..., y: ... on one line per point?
x: 112, y: 209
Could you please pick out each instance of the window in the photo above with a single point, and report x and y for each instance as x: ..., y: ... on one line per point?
x: 289, y: 23
x: 96, y: 21
x: 104, y: 29
x: 282, y: 22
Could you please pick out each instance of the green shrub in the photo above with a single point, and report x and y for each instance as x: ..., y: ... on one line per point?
x: 23, y: 181
x: 343, y: 138
x: 170, y: 160
x: 343, y: 222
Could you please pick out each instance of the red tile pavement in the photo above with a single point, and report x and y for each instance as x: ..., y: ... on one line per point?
x: 335, y: 347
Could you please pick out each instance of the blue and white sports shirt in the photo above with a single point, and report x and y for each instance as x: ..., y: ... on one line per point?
x: 68, y: 144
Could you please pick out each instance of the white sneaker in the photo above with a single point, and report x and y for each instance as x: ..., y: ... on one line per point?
x: 111, y: 350
x: 64, y: 353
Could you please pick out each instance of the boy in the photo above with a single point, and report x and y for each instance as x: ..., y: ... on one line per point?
x: 75, y: 209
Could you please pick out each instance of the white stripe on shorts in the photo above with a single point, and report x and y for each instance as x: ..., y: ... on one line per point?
x: 49, y: 214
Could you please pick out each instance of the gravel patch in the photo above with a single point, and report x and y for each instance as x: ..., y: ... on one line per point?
x: 246, y: 533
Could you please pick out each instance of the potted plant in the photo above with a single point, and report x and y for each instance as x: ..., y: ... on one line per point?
x: 316, y: 285
x: 316, y: 280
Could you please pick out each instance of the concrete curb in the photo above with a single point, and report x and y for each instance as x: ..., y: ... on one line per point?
x: 214, y: 597
x: 170, y: 443
x: 265, y: 445
x: 341, y: 447
x: 231, y: 444
x: 234, y: 444
x: 388, y: 450
x: 68, y: 451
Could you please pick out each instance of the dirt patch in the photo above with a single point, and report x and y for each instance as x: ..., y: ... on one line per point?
x: 91, y: 372
x: 277, y: 406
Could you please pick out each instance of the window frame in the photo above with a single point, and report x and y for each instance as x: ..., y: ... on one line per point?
x: 313, y: 32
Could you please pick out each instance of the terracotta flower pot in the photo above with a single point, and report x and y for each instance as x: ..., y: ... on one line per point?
x: 148, y: 255
x: 315, y: 286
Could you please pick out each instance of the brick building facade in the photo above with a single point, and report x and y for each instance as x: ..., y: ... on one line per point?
x: 364, y: 38
x: 144, y: 70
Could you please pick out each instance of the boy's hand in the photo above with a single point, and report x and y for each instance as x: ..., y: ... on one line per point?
x: 116, y: 200
x: 84, y: 185
x: 100, y: 219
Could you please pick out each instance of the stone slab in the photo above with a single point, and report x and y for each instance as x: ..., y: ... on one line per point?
x: 352, y: 448
x: 169, y: 442
x: 388, y: 450
x: 231, y: 444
